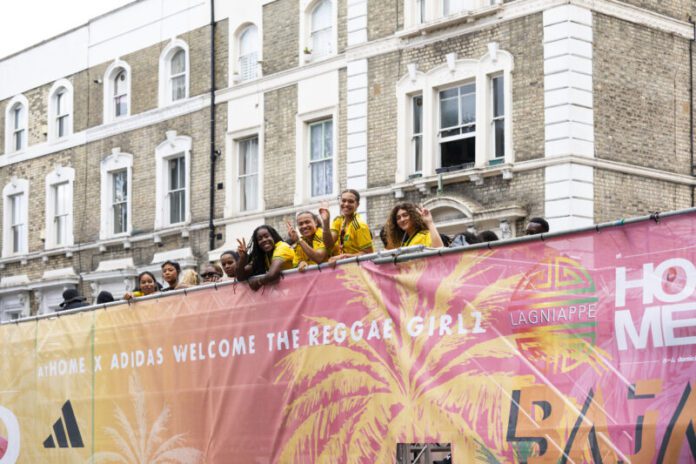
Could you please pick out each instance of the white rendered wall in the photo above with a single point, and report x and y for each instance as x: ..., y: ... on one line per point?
x: 568, y: 115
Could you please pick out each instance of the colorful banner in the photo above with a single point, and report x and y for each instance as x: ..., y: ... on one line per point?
x: 579, y: 348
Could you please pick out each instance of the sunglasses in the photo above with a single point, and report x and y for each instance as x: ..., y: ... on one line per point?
x: 209, y: 275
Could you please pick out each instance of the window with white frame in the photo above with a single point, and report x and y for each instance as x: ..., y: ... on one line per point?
x: 248, y: 54
x: 177, y: 76
x: 16, y: 124
x: 173, y: 181
x: 457, y: 132
x: 15, y: 217
x: 417, y: 134
x: 176, y: 189
x: 248, y: 173
x: 60, y: 103
x: 174, y: 72
x: 19, y: 130
x: 59, y: 207
x: 121, y: 94
x: 497, y: 130
x: 321, y: 157
x: 116, y: 188
x: 119, y: 201
x: 455, y: 116
x: 17, y: 204
x: 117, y: 91
x: 321, y: 29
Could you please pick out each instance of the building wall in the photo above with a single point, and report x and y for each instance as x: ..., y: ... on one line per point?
x: 279, y: 162
x: 620, y: 195
x: 680, y: 9
x: 641, y: 96
x: 281, y: 35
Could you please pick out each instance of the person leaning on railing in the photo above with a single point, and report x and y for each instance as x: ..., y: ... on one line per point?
x: 308, y: 244
x: 348, y: 235
x: 147, y: 285
x: 409, y: 225
x: 269, y: 255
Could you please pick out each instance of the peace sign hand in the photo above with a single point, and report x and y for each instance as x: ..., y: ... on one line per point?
x: 241, y: 247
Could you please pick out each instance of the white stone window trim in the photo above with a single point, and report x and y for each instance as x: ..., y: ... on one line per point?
x: 237, y: 76
x: 306, y: 9
x: 174, y: 147
x: 115, y: 162
x: 454, y: 72
x: 14, y: 297
x: 59, y: 176
x: 109, y: 85
x: 9, y: 124
x: 66, y: 85
x: 233, y: 170
x: 422, y: 13
x: 15, y: 187
x: 165, y: 90
x: 303, y: 175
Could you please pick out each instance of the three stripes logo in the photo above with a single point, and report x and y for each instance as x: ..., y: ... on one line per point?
x: 66, y: 424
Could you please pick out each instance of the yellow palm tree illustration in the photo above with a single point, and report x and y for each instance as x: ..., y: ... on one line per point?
x: 135, y: 443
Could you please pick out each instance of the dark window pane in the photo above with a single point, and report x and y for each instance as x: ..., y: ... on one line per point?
x: 498, y: 100
x: 417, y: 114
x: 458, y: 153
x: 500, y: 138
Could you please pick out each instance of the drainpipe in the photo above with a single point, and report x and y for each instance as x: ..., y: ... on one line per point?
x: 213, y: 151
x: 691, y: 103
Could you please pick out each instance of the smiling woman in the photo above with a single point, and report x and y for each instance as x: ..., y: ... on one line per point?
x: 269, y: 256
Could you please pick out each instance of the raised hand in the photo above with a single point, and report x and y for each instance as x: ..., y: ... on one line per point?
x: 241, y: 247
x: 292, y: 232
x: 324, y: 211
x: 425, y: 214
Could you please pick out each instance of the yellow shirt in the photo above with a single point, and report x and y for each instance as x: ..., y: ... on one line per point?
x: 284, y: 252
x: 317, y: 244
x: 355, y: 238
x: 422, y: 237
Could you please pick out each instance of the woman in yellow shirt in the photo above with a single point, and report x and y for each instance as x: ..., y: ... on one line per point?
x: 409, y: 225
x: 309, y: 246
x: 348, y: 235
x: 269, y: 256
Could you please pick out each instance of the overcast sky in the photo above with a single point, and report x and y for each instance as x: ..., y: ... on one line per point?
x: 24, y: 23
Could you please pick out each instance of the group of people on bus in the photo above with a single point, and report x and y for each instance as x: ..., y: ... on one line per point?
x: 314, y: 239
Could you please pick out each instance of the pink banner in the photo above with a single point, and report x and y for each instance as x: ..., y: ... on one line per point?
x: 579, y: 348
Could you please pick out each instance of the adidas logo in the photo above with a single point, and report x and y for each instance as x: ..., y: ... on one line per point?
x: 66, y: 424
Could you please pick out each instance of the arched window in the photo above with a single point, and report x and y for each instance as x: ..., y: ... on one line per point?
x: 15, y: 217
x: 121, y: 94
x: 60, y: 120
x: 16, y: 124
x: 248, y: 53
x: 177, y: 75
x: 321, y: 29
x: 117, y: 91
x: 174, y: 73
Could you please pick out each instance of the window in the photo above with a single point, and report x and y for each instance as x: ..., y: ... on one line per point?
x: 60, y: 110
x: 417, y: 134
x: 19, y: 130
x: 173, y: 160
x: 17, y: 222
x: 455, y: 116
x: 119, y: 201
x: 174, y: 73
x: 177, y: 77
x: 117, y: 97
x: 248, y: 176
x: 15, y: 217
x: 248, y: 53
x: 321, y: 157
x: 321, y: 32
x: 176, y: 190
x: 116, y: 184
x: 59, y: 214
x: 420, y: 11
x: 498, y: 119
x: 458, y: 126
x: 120, y: 94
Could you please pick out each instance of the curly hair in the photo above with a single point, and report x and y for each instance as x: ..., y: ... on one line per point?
x: 257, y: 257
x: 394, y: 233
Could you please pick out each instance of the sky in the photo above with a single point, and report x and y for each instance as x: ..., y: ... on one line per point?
x: 24, y: 23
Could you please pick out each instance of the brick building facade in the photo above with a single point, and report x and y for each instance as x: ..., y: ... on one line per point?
x: 487, y: 111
